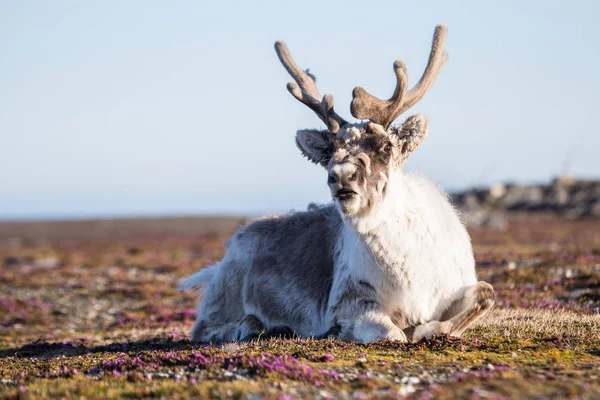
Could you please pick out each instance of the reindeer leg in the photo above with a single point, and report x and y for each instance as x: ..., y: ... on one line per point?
x: 371, y: 325
x: 476, y: 300
x: 205, y: 332
x: 280, y: 331
x: 357, y: 310
x: 249, y: 328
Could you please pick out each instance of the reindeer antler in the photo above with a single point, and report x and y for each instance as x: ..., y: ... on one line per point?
x: 305, y: 90
x: 384, y: 112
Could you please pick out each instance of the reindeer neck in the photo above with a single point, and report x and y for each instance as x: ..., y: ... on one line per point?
x: 381, y: 235
x: 385, y: 215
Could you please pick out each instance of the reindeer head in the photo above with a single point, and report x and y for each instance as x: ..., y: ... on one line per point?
x: 361, y: 157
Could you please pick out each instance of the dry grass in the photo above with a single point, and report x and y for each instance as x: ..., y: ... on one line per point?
x: 516, y: 324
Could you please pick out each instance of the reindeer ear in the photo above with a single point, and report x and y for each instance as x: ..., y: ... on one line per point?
x: 412, y: 133
x: 315, y: 145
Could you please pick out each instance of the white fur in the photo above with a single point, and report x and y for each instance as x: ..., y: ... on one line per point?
x: 205, y: 275
x: 429, y: 257
x: 343, y: 169
x: 351, y: 132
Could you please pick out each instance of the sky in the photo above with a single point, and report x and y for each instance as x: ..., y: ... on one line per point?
x: 142, y: 108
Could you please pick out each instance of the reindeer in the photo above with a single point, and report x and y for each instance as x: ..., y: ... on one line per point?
x: 388, y: 259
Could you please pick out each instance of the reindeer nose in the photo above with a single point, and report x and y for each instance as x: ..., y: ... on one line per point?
x: 342, y: 174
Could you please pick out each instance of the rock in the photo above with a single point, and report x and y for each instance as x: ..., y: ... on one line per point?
x: 48, y: 262
x: 10, y: 261
x: 564, y: 196
x: 558, y: 196
x: 595, y: 209
x: 523, y: 197
x: 497, y: 191
x: 471, y: 201
x: 564, y: 180
x: 514, y: 196
x: 484, y: 218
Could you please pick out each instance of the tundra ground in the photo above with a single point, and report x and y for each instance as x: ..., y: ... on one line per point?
x: 94, y: 313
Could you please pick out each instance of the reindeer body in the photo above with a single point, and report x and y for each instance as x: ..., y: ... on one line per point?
x: 389, y: 259
x: 313, y: 270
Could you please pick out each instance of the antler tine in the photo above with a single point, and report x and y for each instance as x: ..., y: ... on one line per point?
x: 367, y: 106
x: 437, y: 59
x: 384, y: 112
x: 305, y: 90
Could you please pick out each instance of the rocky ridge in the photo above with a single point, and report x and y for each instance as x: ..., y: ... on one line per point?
x: 565, y: 196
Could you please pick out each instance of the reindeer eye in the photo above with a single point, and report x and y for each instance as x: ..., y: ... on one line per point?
x: 387, y: 148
